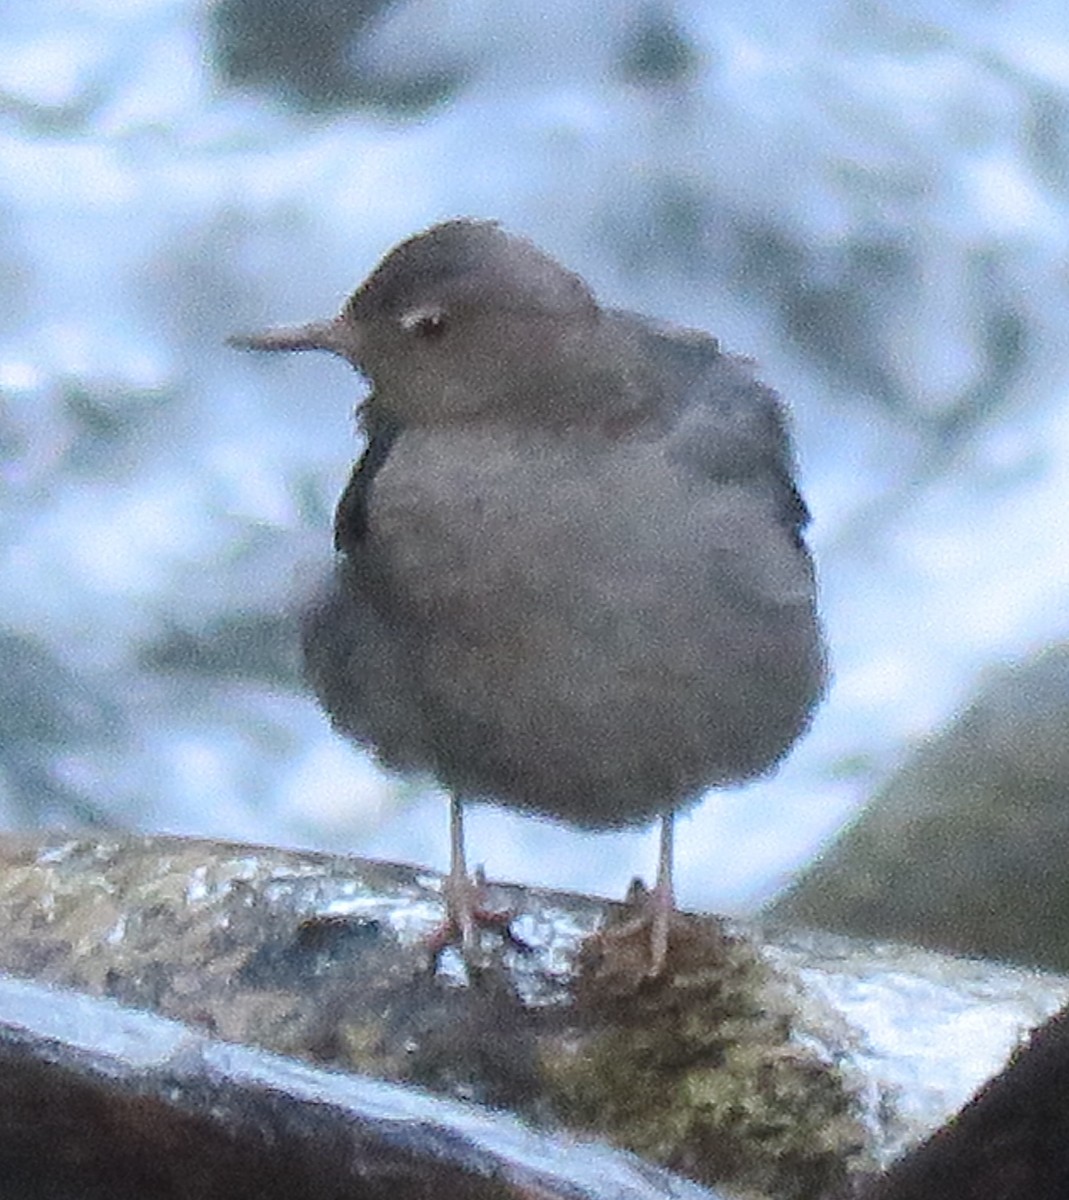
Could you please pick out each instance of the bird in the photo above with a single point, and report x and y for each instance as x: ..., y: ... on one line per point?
x: 570, y: 574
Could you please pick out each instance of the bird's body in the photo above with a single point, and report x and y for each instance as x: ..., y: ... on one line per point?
x: 570, y: 573
x: 581, y: 626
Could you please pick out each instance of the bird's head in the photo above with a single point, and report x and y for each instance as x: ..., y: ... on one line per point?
x: 461, y: 322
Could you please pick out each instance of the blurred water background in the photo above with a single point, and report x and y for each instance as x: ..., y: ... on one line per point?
x: 871, y: 199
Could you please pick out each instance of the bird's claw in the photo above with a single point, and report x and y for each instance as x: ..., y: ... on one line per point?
x: 466, y: 917
x: 656, y: 913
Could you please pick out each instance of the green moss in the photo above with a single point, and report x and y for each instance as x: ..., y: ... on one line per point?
x: 696, y: 1070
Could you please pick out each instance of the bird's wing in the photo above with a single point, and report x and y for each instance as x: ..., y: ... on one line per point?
x: 730, y: 427
x: 350, y: 518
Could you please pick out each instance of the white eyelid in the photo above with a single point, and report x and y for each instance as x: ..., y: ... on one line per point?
x: 415, y: 317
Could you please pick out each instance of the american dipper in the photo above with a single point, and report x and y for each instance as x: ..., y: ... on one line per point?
x: 570, y: 574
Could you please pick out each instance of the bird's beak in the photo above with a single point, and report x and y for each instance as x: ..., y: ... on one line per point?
x: 337, y: 336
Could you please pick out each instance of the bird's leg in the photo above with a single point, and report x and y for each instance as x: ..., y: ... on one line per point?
x: 649, y: 929
x: 662, y: 901
x: 465, y: 912
x: 460, y: 891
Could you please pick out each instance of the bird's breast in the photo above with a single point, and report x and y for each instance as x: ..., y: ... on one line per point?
x: 554, y: 547
x: 587, y: 631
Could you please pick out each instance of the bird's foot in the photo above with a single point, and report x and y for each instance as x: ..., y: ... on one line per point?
x: 466, y: 917
x: 652, y: 924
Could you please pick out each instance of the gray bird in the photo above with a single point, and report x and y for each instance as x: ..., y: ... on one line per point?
x: 570, y: 573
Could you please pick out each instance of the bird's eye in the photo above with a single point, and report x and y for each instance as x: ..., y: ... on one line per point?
x: 426, y: 323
